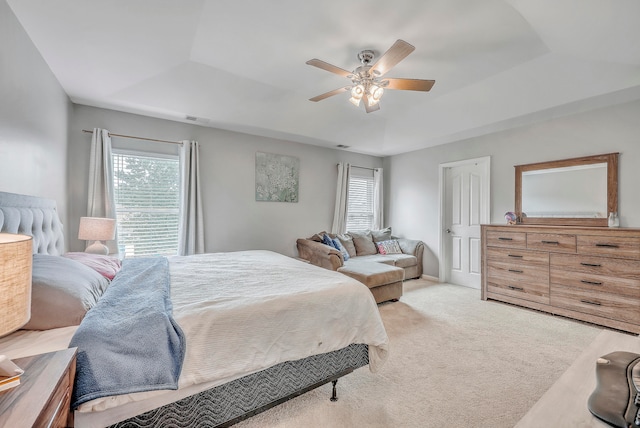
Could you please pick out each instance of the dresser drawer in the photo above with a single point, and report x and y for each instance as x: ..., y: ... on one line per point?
x: 553, y: 242
x: 606, y: 266
x: 518, y: 256
x: 604, y: 284
x: 615, y: 246
x: 56, y: 411
x: 523, y: 282
x: 506, y: 239
x: 607, y: 305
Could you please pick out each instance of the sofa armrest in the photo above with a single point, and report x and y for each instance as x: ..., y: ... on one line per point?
x: 413, y: 247
x: 319, y: 254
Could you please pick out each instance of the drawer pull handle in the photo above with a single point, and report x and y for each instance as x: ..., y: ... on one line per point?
x: 505, y: 239
x: 515, y: 256
x: 551, y: 242
x: 516, y: 271
x: 513, y: 287
x: 591, y: 264
x: 584, y: 281
x: 590, y: 302
x: 607, y: 245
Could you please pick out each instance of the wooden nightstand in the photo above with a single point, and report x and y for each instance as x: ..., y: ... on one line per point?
x: 43, y: 397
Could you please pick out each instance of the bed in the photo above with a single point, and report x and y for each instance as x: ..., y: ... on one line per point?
x: 260, y: 328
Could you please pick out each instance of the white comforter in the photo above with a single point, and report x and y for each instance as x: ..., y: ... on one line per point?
x: 245, y: 311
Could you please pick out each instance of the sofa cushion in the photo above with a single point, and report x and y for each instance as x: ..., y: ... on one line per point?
x: 318, y: 237
x: 347, y: 242
x: 372, y: 274
x: 375, y: 258
x: 390, y: 246
x: 402, y: 260
x: 381, y: 235
x: 340, y: 247
x: 326, y: 240
x: 363, y: 243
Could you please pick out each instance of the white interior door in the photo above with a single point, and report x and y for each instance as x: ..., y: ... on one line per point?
x: 465, y: 202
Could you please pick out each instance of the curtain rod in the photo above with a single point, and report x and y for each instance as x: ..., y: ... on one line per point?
x: 138, y: 138
x: 363, y: 167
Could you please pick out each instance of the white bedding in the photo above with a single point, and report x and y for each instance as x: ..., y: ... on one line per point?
x: 243, y: 312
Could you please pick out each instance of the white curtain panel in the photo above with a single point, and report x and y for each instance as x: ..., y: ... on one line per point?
x: 378, y: 199
x: 101, y: 198
x: 191, y: 228
x: 342, y: 199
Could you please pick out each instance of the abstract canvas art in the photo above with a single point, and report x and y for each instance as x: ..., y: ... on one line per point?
x: 277, y: 177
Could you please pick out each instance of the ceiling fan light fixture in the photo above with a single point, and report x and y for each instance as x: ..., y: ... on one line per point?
x: 356, y: 94
x: 375, y: 94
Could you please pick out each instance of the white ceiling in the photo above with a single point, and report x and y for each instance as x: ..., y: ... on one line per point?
x: 240, y: 64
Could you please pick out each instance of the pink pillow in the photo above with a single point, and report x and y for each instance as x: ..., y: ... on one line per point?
x: 389, y: 247
x: 106, y: 266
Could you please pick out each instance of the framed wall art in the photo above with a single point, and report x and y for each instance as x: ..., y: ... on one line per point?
x: 277, y: 177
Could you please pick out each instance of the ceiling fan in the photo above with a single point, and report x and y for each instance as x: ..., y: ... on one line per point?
x: 367, y: 80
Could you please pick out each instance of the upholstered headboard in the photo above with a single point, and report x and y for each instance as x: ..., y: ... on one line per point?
x: 37, y: 217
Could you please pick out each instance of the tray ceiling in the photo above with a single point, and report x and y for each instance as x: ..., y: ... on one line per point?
x: 240, y: 65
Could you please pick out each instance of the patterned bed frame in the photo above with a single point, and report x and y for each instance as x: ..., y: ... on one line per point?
x: 223, y: 405
x: 237, y: 400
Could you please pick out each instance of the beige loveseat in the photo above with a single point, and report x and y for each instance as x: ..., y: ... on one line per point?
x: 382, y: 273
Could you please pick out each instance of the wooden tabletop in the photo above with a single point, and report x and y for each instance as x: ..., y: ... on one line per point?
x: 42, y: 374
x: 565, y: 403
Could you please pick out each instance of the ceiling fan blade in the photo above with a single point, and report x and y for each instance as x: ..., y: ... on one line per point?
x: 409, y: 84
x: 396, y: 53
x: 369, y: 109
x: 328, y: 67
x: 329, y: 94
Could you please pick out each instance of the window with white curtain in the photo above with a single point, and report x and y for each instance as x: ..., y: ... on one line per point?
x: 147, y: 194
x: 360, y: 202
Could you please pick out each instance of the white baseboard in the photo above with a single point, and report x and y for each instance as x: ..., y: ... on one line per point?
x: 430, y: 278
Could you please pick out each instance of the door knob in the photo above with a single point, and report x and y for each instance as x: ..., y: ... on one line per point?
x: 448, y: 230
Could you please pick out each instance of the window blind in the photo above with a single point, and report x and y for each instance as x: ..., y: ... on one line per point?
x: 147, y: 194
x: 360, y: 203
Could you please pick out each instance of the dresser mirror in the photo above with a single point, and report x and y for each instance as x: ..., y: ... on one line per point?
x: 569, y: 192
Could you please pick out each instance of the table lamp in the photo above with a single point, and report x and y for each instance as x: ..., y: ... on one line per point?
x: 97, y: 229
x: 15, y: 281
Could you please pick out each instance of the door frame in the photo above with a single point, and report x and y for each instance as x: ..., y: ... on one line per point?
x: 485, y: 161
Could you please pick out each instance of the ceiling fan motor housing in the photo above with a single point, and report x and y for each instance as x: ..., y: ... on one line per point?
x: 366, y: 56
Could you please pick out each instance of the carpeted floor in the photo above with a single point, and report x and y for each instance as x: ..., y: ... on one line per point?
x: 455, y: 360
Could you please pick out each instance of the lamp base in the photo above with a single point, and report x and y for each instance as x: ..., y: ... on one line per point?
x: 97, y: 248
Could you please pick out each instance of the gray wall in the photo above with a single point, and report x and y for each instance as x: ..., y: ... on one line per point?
x: 40, y: 135
x: 34, y: 116
x: 233, y: 218
x: 412, y: 186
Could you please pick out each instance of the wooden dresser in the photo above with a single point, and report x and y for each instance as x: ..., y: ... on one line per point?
x: 587, y: 273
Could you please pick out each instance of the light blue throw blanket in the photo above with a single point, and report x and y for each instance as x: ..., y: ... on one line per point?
x: 129, y: 342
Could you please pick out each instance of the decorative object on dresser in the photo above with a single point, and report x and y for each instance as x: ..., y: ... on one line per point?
x: 43, y: 398
x: 15, y: 281
x: 97, y: 229
x: 587, y: 273
x: 569, y: 192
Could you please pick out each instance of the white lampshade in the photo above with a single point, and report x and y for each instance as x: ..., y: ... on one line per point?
x: 15, y: 281
x: 97, y: 229
x: 356, y: 95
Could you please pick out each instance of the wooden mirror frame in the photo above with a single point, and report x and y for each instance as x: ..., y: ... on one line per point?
x: 611, y: 159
